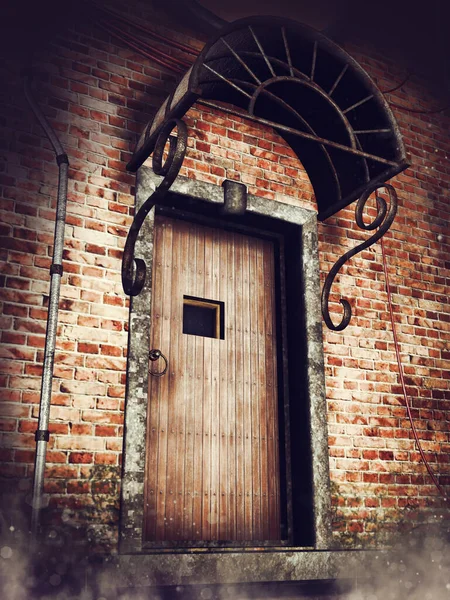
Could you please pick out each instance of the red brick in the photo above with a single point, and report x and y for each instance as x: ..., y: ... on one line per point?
x: 106, y: 430
x: 24, y: 456
x: 81, y: 458
x: 110, y: 350
x: 78, y: 487
x: 63, y: 472
x: 88, y: 348
x: 81, y: 429
x: 101, y: 416
x: 105, y: 458
x: 54, y: 486
x: 12, y: 470
x: 54, y: 456
x: 103, y: 487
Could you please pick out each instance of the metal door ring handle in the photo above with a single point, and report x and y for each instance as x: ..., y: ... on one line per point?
x: 154, y: 355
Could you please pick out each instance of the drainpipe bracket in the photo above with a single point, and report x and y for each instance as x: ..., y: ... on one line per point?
x: 62, y: 159
x: 42, y: 435
x: 55, y: 268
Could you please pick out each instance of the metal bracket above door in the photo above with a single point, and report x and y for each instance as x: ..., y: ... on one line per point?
x: 134, y: 269
x: 383, y: 220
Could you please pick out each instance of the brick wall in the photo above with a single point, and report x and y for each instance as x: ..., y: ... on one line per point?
x: 97, y: 95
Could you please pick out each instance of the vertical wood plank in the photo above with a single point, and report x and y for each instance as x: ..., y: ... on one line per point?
x: 224, y: 488
x: 272, y: 416
x: 180, y: 373
x: 277, y: 523
x: 198, y: 395
x: 191, y: 274
x: 262, y: 399
x: 239, y: 357
x: 216, y: 345
x: 255, y: 391
x: 207, y: 391
x: 231, y: 388
x: 247, y: 414
x: 173, y: 302
x: 276, y: 439
x: 164, y: 384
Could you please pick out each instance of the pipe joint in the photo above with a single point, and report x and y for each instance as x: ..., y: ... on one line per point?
x: 42, y: 435
x: 55, y: 268
x: 62, y: 159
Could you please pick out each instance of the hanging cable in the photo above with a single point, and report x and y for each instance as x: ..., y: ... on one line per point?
x: 148, y: 48
x: 139, y: 48
x: 397, y: 87
x: 161, y: 38
x: 419, y: 112
x: 402, y: 379
x: 138, y: 43
x: 411, y: 110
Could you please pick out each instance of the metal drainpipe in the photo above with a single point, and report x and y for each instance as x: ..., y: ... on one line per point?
x: 56, y: 270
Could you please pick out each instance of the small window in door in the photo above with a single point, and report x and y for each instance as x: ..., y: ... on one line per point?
x: 203, y: 317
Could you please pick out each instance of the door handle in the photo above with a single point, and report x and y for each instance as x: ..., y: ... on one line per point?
x: 155, y: 355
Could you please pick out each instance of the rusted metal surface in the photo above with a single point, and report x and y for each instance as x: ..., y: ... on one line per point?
x: 235, y: 197
x: 383, y: 220
x: 306, y: 135
x: 134, y: 269
x: 282, y: 74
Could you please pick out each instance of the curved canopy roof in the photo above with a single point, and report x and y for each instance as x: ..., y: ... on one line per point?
x: 317, y: 97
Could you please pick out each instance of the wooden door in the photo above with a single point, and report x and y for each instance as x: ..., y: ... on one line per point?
x: 212, y: 471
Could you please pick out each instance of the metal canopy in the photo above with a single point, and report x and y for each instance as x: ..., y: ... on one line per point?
x: 318, y: 98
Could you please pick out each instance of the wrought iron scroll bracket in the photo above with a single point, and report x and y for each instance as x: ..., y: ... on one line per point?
x: 382, y: 222
x: 134, y: 269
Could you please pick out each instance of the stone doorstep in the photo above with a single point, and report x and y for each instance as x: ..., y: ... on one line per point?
x: 245, y: 567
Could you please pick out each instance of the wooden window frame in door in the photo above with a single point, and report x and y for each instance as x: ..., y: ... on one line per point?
x: 217, y: 307
x: 309, y: 393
